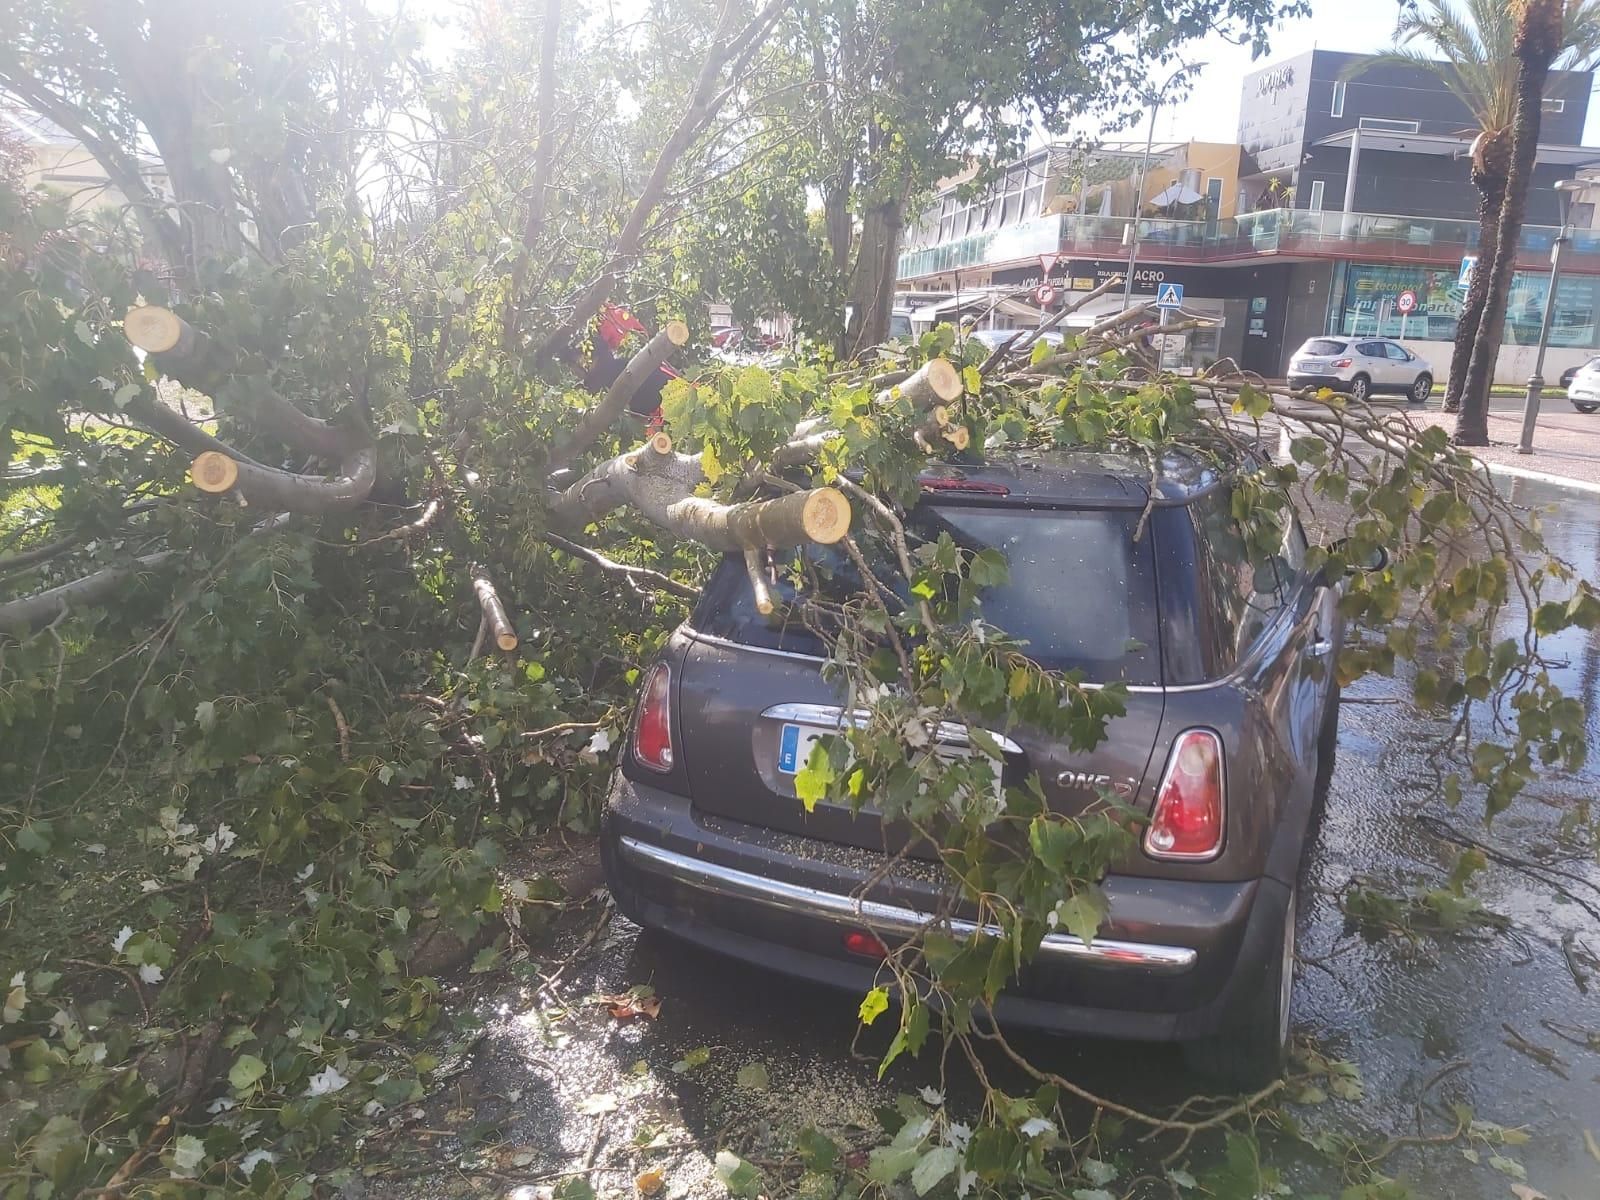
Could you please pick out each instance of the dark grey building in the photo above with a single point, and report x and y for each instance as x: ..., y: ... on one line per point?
x: 1305, y: 120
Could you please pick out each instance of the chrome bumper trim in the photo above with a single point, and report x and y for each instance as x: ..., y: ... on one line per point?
x: 889, y: 918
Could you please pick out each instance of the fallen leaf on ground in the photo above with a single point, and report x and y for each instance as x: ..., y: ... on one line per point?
x: 595, y: 1105
x: 650, y: 1182
x: 1523, y: 1192
x: 627, y: 1006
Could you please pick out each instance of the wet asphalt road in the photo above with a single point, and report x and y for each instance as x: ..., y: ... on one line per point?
x: 554, y: 1083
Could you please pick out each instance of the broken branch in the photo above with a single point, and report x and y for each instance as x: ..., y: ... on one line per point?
x: 672, y: 336
x: 289, y: 491
x: 494, y: 612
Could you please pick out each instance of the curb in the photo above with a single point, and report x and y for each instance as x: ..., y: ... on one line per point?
x: 1516, y: 472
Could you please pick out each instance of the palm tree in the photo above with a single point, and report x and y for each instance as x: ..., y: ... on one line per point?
x: 1542, y: 36
x: 1472, y: 52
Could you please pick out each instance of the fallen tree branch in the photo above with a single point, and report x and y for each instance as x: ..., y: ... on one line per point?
x: 184, y: 353
x: 267, y: 487
x: 28, y: 613
x: 672, y: 336
x: 935, y: 382
x: 660, y: 485
x: 494, y: 611
x: 635, y: 575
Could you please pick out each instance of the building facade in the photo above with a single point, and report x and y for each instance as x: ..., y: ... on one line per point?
x: 1345, y: 206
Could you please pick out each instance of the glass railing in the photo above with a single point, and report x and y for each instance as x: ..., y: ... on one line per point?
x: 1274, y: 231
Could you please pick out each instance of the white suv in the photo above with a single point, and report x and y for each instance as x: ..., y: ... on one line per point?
x: 1360, y: 366
x: 1584, y: 389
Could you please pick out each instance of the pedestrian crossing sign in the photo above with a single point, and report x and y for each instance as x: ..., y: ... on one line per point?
x: 1169, y: 295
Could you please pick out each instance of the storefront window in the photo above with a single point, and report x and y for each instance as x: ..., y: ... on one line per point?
x: 1371, y: 305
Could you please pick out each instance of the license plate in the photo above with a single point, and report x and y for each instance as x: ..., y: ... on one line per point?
x: 795, y: 742
x: 794, y: 746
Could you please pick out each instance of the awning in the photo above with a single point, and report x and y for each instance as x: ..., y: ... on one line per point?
x: 1445, y: 146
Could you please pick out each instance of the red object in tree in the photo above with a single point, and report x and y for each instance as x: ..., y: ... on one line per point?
x: 615, y: 324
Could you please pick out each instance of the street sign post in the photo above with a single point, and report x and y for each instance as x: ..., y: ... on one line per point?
x: 1047, y: 263
x: 1045, y: 295
x: 1405, y: 304
x: 1169, y: 295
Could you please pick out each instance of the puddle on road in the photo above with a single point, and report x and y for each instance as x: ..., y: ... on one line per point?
x: 1404, y: 1010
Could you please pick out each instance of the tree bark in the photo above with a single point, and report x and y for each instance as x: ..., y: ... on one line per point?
x: 193, y: 358
x: 936, y: 382
x: 539, y: 185
x: 1538, y: 40
x: 672, y: 336
x: 287, y: 491
x: 1489, y: 165
x: 35, y: 612
x: 494, y: 612
x: 659, y: 484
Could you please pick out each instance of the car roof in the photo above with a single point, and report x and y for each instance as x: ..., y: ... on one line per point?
x: 1072, y: 478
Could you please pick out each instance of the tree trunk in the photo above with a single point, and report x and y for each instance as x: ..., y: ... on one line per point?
x: 1489, y: 167
x: 1538, y: 40
x: 872, y: 288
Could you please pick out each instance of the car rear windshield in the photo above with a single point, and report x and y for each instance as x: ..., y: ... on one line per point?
x: 1081, y: 591
x: 1322, y: 346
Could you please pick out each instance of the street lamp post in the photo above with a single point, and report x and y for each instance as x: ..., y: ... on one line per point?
x: 1138, y: 191
x: 1530, y: 406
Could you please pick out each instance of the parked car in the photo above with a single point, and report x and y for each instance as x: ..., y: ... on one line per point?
x: 900, y: 324
x: 1583, y: 386
x: 1362, y: 367
x: 1227, y: 743
x: 993, y: 339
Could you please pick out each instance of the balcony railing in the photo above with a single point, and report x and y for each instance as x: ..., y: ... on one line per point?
x: 1285, y: 232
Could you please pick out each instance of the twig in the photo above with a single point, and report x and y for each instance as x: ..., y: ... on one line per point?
x: 1542, y: 1055
x: 634, y: 574
x: 342, y: 725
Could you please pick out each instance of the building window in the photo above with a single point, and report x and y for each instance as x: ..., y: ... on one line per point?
x: 1385, y: 125
x: 1367, y: 306
x: 1337, y: 110
x: 1314, y: 203
x: 1552, y: 104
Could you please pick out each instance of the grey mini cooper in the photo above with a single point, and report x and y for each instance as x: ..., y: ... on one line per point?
x: 1226, y: 744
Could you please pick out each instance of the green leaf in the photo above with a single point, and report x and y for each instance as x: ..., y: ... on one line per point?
x: 1081, y: 913
x: 188, y: 1152
x: 1098, y: 1172
x: 812, y: 780
x: 935, y: 1164
x: 973, y: 380
x: 753, y: 1077
x: 817, y: 1150
x: 575, y: 1188
x: 698, y: 1057
x: 1181, y: 1178
x: 874, y: 1004
x: 246, y: 1071
x: 1508, y: 1166
x: 738, y: 1176
x: 886, y: 1164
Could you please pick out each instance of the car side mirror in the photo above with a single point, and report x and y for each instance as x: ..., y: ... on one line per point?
x: 1376, y: 559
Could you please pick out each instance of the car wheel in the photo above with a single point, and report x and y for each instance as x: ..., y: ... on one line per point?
x: 1254, y: 1049
x: 1422, y: 389
x: 1585, y: 406
x: 1360, y: 388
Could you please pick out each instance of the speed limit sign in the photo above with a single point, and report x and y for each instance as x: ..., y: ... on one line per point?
x: 1406, y: 303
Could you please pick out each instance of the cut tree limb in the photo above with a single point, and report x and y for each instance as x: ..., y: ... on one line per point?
x: 288, y: 491
x: 660, y: 483
x: 494, y: 612
x: 34, y: 612
x: 935, y: 382
x: 149, y: 411
x: 755, y: 563
x: 672, y: 336
x: 182, y: 352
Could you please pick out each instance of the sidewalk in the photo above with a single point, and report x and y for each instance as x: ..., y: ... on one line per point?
x: 1566, y: 443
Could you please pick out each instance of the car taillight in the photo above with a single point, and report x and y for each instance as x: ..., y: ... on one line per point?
x: 1343, y: 362
x: 652, y: 735
x: 1188, y: 817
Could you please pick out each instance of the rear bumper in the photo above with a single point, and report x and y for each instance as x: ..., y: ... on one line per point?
x: 1333, y: 382
x: 1171, y: 959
